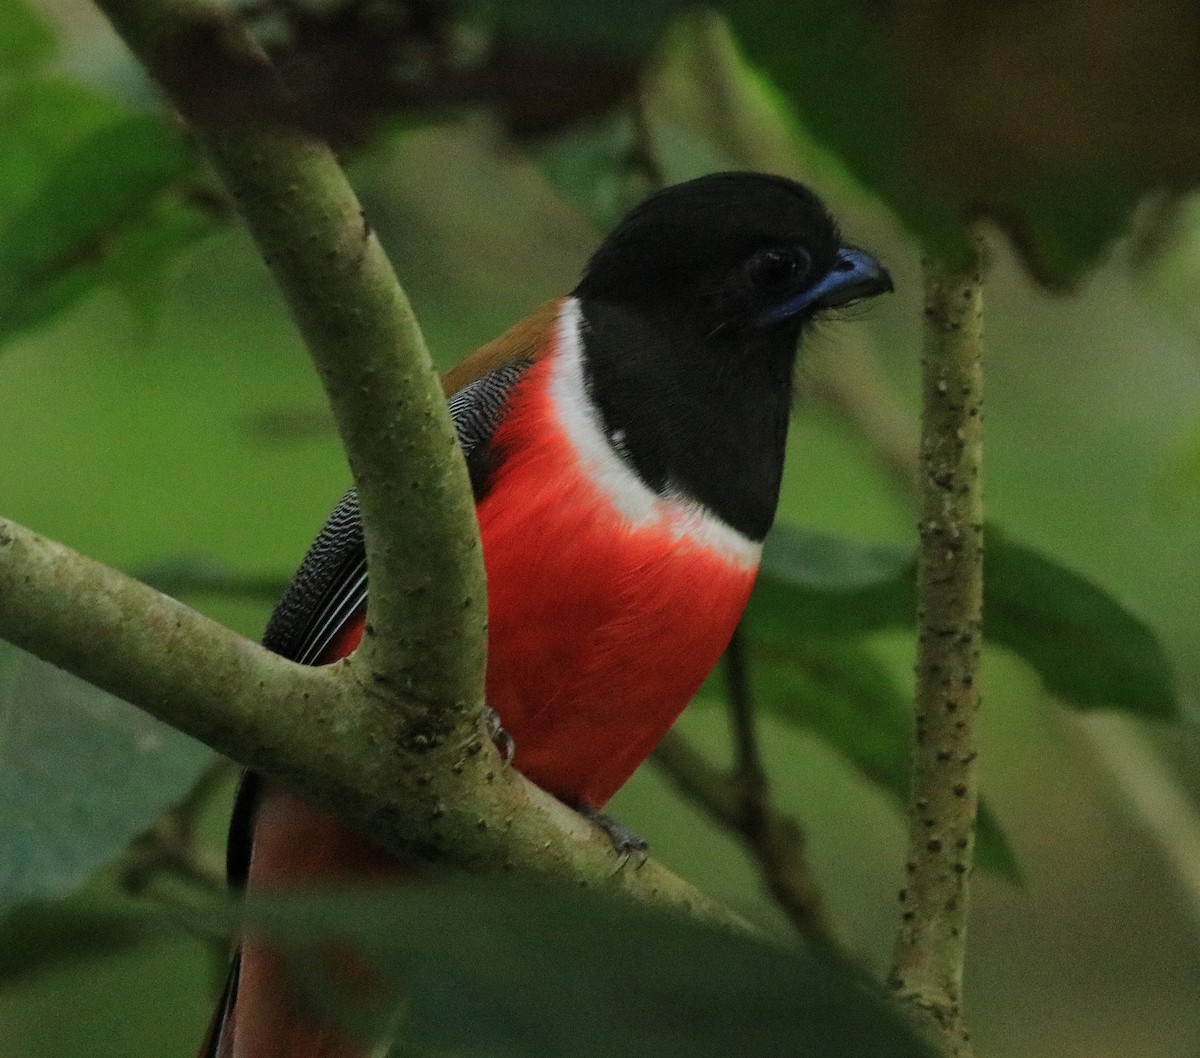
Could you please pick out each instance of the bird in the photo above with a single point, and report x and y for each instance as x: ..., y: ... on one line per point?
x: 625, y: 448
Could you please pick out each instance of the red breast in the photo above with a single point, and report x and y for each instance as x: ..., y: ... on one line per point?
x: 608, y: 604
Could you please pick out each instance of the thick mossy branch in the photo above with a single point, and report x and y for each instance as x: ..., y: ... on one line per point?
x: 315, y: 729
x: 151, y: 650
x: 428, y: 602
x: 927, y: 968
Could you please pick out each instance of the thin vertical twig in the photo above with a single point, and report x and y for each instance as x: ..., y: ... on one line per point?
x: 927, y: 966
x: 748, y: 767
x: 777, y: 842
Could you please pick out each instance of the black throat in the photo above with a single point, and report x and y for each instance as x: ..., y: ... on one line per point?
x: 701, y: 414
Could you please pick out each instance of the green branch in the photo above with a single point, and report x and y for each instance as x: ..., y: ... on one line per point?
x: 428, y: 607
x: 317, y: 730
x: 927, y: 966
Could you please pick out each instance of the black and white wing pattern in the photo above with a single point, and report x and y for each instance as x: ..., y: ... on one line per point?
x: 331, y: 584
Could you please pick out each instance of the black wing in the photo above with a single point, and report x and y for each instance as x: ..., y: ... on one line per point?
x: 331, y: 583
x: 329, y: 586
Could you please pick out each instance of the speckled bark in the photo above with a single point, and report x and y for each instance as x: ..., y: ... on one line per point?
x: 927, y: 968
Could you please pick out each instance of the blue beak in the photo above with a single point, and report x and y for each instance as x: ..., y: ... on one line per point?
x: 855, y: 275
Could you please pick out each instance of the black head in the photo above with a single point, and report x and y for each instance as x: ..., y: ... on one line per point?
x: 729, y: 253
x: 693, y: 307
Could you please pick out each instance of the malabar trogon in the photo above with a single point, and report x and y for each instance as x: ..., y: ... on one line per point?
x: 625, y: 446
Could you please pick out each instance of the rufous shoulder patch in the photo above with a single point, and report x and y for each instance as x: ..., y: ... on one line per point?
x: 524, y: 340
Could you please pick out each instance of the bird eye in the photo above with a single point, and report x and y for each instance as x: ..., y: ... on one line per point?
x: 774, y: 270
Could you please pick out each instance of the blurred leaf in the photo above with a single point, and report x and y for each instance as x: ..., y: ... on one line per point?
x: 836, y: 65
x: 702, y: 88
x: 818, y: 584
x: 919, y: 102
x: 704, y: 110
x: 42, y: 119
x: 828, y: 59
x: 137, y: 261
x: 491, y: 967
x: 25, y: 39
x: 992, y: 849
x: 598, y: 166
x: 1088, y: 649
x: 590, y: 164
x: 920, y: 105
x: 1180, y: 477
x: 109, y: 211
x: 624, y: 26
x: 849, y: 699
x: 81, y: 775
x: 43, y: 937
x: 1065, y: 227
x: 1165, y: 255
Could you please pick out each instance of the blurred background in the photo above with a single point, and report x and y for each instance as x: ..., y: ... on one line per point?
x: 159, y: 414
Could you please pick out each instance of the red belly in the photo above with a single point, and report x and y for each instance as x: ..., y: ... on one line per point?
x: 599, y: 633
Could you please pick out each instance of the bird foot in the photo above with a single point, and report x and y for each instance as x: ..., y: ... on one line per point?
x: 501, y: 739
x: 627, y: 844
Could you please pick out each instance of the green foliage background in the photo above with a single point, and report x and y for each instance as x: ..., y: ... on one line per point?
x: 172, y: 414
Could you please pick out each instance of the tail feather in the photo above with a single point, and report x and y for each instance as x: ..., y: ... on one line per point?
x: 260, y: 1015
x: 218, y: 1041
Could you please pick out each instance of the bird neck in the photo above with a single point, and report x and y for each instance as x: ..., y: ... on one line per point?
x: 702, y: 417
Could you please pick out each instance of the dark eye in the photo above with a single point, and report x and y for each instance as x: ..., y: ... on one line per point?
x: 774, y: 270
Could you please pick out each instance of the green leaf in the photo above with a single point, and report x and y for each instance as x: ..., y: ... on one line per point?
x: 1087, y: 647
x: 918, y: 106
x: 1065, y: 227
x: 840, y: 72
x: 886, y: 96
x: 813, y: 583
x: 26, y: 40
x: 108, y: 212
x: 590, y: 164
x: 711, y: 109
x: 44, y: 937
x: 493, y: 967
x: 43, y: 118
x: 842, y: 693
x: 81, y: 775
